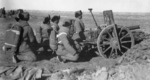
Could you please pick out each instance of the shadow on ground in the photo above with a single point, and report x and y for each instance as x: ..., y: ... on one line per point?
x: 42, y: 54
x: 87, y: 56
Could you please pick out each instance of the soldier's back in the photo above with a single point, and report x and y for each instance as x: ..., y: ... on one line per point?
x: 46, y: 29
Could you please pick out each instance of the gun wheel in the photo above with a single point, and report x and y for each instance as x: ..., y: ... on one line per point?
x: 114, y: 41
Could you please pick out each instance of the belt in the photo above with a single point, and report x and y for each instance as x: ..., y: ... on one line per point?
x: 9, y: 44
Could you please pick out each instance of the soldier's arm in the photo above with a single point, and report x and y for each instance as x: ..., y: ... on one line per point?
x: 56, y: 28
x: 77, y: 26
x: 52, y: 42
x: 67, y: 44
x: 31, y: 35
x: 38, y: 34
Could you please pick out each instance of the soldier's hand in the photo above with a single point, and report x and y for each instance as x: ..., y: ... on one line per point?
x: 41, y: 49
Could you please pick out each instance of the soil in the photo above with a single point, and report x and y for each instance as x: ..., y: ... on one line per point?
x: 89, y: 61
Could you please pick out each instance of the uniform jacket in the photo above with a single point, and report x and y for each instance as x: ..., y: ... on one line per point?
x: 52, y: 38
x: 43, y: 32
x: 79, y: 28
x: 27, y: 37
x: 64, y: 41
x: 55, y: 27
x: 46, y: 29
x: 79, y: 25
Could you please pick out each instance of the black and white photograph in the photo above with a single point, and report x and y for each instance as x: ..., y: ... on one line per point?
x: 74, y: 39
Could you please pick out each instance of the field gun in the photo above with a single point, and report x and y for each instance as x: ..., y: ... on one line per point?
x: 113, y: 40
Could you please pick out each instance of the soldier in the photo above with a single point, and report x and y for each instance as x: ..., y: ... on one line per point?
x: 55, y: 21
x: 43, y: 33
x: 66, y: 50
x: 79, y: 27
x: 27, y: 40
x: 2, y: 12
x: 12, y: 37
x: 54, y: 32
x: 78, y: 36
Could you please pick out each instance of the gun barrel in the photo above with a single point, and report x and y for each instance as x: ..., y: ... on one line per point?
x: 90, y: 9
x: 133, y: 27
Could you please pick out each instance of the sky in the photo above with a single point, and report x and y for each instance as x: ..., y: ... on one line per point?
x: 74, y: 5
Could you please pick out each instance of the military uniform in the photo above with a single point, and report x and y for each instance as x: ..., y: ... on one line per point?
x: 79, y: 28
x: 44, y: 31
x: 11, y: 40
x: 27, y: 42
x: 66, y: 48
x: 42, y: 34
x: 55, y: 27
x: 52, y: 38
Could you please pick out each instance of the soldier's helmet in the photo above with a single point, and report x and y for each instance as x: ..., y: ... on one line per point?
x: 66, y: 23
x: 25, y: 16
x: 47, y: 19
x: 55, y: 18
x: 78, y: 13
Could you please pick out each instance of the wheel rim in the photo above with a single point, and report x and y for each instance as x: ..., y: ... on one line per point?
x: 113, y: 44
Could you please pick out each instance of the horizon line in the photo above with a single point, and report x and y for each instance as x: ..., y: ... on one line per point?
x: 74, y: 11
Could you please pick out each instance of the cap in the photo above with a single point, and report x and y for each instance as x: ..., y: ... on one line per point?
x: 55, y: 18
x: 24, y: 16
x: 79, y: 12
x: 47, y: 19
x: 66, y: 22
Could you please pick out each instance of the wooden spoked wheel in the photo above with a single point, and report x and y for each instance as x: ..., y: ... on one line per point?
x: 114, y: 41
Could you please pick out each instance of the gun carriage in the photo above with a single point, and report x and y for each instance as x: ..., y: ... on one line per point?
x: 113, y: 40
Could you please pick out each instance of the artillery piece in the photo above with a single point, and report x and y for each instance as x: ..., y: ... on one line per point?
x: 114, y: 40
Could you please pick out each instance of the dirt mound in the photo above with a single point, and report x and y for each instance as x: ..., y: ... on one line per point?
x: 138, y: 53
x: 134, y: 65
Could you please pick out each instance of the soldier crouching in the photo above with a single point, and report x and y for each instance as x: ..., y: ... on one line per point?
x: 43, y: 33
x: 27, y: 40
x: 65, y: 50
x: 54, y: 32
x: 79, y: 27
